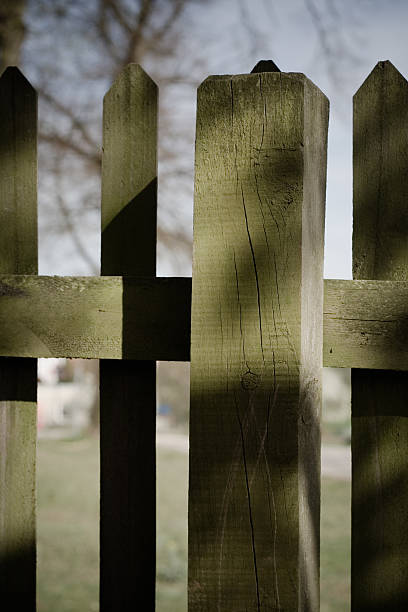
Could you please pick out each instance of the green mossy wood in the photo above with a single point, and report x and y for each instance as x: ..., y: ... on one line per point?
x: 379, y: 399
x: 128, y: 388
x: 364, y: 322
x: 18, y: 377
x: 51, y: 316
x: 256, y: 344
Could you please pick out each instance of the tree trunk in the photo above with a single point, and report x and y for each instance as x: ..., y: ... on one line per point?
x: 12, y: 31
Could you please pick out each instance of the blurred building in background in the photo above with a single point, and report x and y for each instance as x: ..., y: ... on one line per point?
x: 67, y: 397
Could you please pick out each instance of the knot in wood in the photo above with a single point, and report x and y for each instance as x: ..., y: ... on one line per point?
x: 250, y: 380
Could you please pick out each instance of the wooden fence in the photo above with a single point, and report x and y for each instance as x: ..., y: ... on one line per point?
x: 263, y: 323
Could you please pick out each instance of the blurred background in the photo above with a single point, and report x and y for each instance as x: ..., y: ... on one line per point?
x: 71, y: 51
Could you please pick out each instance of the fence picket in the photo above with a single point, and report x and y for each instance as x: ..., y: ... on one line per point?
x: 256, y: 344
x: 18, y: 377
x: 128, y: 388
x: 379, y: 399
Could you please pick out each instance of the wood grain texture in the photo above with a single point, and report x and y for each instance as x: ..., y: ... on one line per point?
x: 379, y: 399
x: 18, y: 377
x: 84, y: 317
x: 365, y: 324
x: 128, y: 388
x: 256, y: 344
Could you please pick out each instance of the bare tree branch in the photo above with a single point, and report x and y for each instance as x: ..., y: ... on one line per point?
x: 321, y: 30
x: 72, y: 229
x: 157, y: 36
x: 116, y: 11
x: 76, y: 123
x: 329, y: 26
x: 103, y: 30
x: 69, y: 145
x: 136, y: 35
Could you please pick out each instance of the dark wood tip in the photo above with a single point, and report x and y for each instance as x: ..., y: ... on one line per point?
x: 12, y: 74
x: 265, y: 66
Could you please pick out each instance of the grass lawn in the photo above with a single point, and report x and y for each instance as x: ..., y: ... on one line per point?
x: 68, y: 524
x: 335, y: 552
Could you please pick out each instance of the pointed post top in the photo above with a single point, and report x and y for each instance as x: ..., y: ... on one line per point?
x: 265, y: 66
x: 383, y: 69
x: 12, y: 74
x: 385, y: 65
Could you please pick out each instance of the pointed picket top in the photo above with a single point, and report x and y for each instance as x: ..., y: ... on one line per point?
x: 12, y: 76
x: 18, y: 174
x: 131, y: 73
x: 265, y: 66
x: 384, y: 72
x: 129, y: 168
x: 380, y: 153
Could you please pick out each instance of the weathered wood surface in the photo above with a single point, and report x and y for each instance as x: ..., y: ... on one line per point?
x: 46, y: 316
x: 256, y: 344
x: 379, y: 399
x: 18, y: 377
x: 128, y: 388
x: 365, y: 324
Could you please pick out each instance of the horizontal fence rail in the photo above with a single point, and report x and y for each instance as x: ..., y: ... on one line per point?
x: 106, y: 317
x: 365, y: 323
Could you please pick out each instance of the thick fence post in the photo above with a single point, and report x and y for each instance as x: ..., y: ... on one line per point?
x: 256, y: 345
x: 128, y: 388
x: 379, y: 398
x: 18, y: 377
